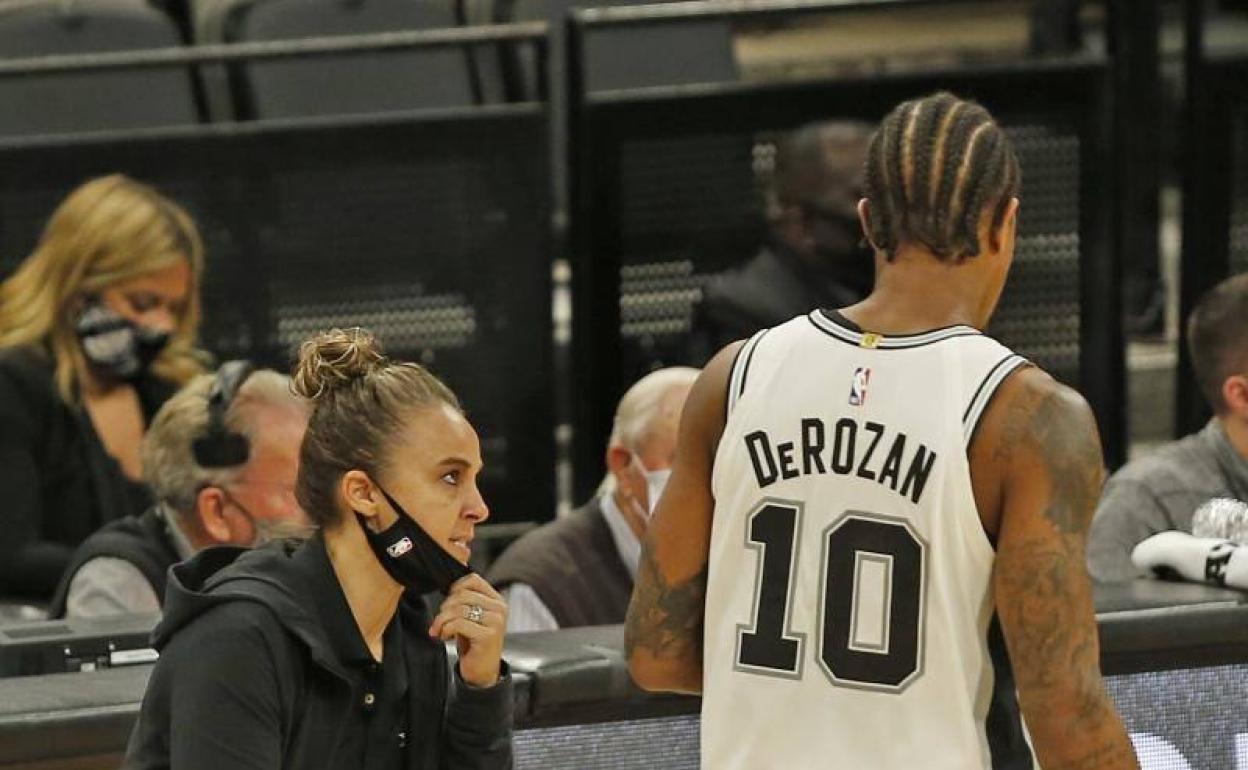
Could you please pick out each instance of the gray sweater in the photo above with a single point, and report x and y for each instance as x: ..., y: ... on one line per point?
x: 1161, y: 492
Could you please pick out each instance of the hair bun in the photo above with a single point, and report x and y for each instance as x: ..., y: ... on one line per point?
x: 334, y: 359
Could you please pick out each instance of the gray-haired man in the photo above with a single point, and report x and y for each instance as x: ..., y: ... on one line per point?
x: 579, y: 570
x: 241, y: 498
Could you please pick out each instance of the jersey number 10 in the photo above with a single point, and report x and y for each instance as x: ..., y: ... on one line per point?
x: 871, y: 597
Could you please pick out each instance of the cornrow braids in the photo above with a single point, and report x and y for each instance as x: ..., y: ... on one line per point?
x: 934, y: 166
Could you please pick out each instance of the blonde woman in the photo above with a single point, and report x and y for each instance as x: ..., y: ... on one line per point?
x: 97, y: 330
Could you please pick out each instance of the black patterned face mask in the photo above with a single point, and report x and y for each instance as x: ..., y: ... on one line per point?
x: 411, y: 556
x: 115, y: 346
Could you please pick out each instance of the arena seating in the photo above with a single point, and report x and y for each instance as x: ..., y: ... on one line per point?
x: 631, y: 58
x: 356, y: 83
x: 78, y: 102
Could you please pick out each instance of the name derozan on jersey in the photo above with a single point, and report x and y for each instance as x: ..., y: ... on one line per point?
x: 854, y: 448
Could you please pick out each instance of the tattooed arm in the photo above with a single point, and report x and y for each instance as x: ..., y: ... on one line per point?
x: 663, y: 632
x: 1039, y: 441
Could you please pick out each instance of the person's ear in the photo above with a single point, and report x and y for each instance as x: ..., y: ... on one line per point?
x: 361, y: 496
x: 864, y: 219
x: 1235, y: 395
x: 619, y: 460
x: 210, y: 508
x: 1003, y: 233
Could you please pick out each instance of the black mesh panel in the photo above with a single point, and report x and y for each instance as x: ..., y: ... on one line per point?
x: 690, y: 207
x: 432, y: 234
x: 1038, y: 315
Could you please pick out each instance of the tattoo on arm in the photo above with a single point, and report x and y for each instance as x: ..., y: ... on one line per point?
x: 1074, y: 466
x: 1043, y: 583
x: 1110, y: 754
x: 665, y: 619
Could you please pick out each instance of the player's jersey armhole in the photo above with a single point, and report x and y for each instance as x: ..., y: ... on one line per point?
x: 739, y: 376
x: 984, y: 393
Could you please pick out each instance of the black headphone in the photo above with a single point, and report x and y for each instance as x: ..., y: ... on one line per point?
x: 220, y: 447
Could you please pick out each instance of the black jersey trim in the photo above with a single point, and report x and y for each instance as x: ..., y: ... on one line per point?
x: 971, y: 404
x: 987, y: 390
x: 1008, y: 746
x: 729, y: 398
x: 841, y: 320
x: 736, y: 380
x: 828, y: 324
x: 749, y: 359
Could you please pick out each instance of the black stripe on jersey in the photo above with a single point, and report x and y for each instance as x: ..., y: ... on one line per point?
x: 821, y: 321
x: 732, y: 370
x: 749, y: 359
x: 996, y: 377
x: 1007, y: 743
x: 971, y: 404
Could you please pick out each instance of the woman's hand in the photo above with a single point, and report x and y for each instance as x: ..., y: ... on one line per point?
x: 475, y: 616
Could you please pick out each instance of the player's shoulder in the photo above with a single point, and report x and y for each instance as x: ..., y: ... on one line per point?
x: 1035, y: 413
x: 1037, y: 392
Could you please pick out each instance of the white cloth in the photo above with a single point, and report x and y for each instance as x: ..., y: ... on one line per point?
x: 525, y: 609
x: 1197, y: 559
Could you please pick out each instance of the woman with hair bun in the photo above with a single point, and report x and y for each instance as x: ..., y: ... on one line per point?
x: 97, y: 331
x: 321, y: 654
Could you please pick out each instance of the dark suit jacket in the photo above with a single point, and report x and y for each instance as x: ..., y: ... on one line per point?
x: 766, y: 291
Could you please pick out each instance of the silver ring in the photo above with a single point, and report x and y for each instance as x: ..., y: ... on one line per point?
x: 474, y: 613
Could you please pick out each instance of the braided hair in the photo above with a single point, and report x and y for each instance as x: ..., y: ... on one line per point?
x: 934, y: 165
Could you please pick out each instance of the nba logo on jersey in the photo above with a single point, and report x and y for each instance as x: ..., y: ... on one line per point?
x: 858, y: 388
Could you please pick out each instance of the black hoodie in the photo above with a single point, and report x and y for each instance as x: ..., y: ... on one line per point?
x: 247, y: 676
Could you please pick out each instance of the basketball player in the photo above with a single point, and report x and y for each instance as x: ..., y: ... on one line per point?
x: 869, y: 507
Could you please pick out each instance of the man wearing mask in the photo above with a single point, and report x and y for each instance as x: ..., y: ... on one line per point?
x: 221, y: 458
x: 814, y: 255
x: 579, y: 570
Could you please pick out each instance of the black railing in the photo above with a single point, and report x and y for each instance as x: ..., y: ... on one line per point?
x: 1214, y: 147
x: 303, y: 48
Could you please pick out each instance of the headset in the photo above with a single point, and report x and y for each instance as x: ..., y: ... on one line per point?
x: 220, y: 447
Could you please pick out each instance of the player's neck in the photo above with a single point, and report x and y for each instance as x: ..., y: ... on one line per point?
x: 916, y: 293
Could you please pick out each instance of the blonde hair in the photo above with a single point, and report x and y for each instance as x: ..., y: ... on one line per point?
x: 169, y: 466
x: 360, y: 399
x: 110, y: 229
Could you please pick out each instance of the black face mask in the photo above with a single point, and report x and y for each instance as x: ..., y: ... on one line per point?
x: 411, y: 556
x: 116, y: 346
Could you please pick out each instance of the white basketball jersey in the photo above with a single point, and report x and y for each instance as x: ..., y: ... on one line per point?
x: 848, y: 608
